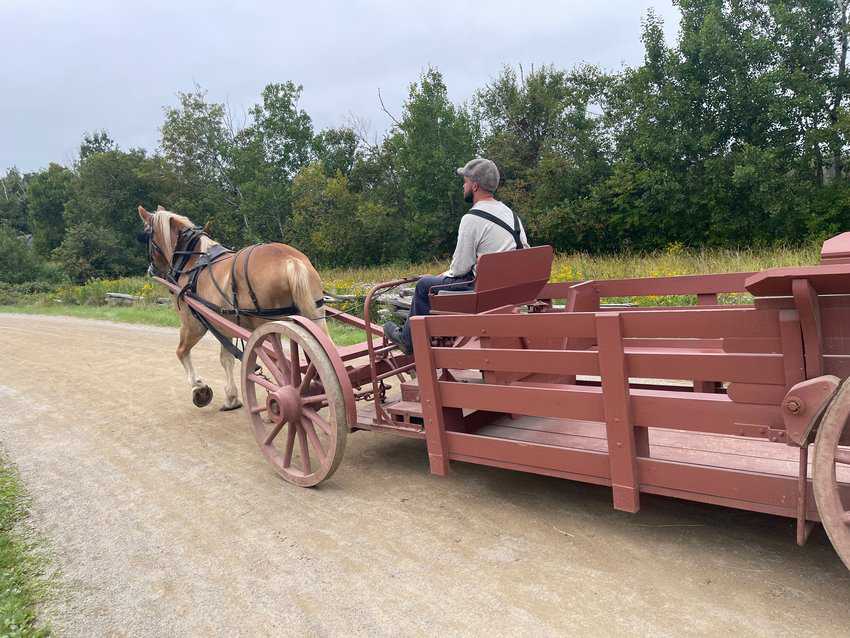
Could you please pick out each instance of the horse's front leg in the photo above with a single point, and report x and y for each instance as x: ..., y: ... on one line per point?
x: 231, y: 394
x: 190, y: 333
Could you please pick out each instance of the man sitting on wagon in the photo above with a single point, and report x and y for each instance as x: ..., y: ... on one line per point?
x: 489, y: 227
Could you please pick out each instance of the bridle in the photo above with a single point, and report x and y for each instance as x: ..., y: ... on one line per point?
x: 187, y: 237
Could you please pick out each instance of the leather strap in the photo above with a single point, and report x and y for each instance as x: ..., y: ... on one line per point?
x: 515, y: 232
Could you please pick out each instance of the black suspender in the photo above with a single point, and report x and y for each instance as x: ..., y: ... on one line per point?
x: 515, y: 232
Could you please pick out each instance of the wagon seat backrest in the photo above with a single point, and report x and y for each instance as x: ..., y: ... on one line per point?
x: 503, y: 279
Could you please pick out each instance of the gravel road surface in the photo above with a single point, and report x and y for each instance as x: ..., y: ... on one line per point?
x: 165, y: 520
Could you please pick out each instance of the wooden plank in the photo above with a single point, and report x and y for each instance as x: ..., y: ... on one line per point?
x: 664, y: 364
x: 749, y: 487
x: 756, y: 393
x: 527, y: 456
x: 791, y: 336
x: 622, y: 445
x: 700, y: 412
x: 701, y: 323
x: 806, y: 300
x: 513, y: 325
x: 753, y: 344
x: 690, y: 411
x: 518, y: 360
x: 432, y: 409
x: 679, y: 285
x: 567, y: 401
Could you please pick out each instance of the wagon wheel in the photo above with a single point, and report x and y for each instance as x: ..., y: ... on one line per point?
x: 299, y: 413
x: 834, y: 516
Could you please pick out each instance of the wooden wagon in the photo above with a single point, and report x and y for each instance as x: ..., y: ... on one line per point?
x: 742, y: 405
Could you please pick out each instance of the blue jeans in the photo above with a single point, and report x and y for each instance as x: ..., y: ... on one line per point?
x: 421, y: 304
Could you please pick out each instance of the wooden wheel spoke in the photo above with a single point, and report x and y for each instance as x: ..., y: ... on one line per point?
x: 268, y: 385
x: 842, y: 456
x: 305, y: 449
x: 272, y: 366
x: 258, y: 409
x: 309, y: 375
x: 290, y: 444
x: 294, y: 363
x: 314, y: 440
x: 846, y: 518
x: 315, y: 398
x: 275, y: 431
x: 317, y: 420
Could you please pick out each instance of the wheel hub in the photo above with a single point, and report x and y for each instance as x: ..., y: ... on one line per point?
x: 284, y: 405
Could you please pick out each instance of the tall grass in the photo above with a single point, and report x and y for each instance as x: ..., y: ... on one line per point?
x: 22, y: 584
x: 357, y: 281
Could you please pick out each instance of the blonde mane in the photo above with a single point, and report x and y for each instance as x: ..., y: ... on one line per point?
x: 162, y: 228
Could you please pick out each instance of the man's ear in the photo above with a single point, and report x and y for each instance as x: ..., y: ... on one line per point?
x: 145, y: 215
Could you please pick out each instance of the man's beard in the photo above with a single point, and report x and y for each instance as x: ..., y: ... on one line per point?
x: 467, y: 197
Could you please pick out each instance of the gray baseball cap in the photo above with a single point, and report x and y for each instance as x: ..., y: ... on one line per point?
x: 483, y: 172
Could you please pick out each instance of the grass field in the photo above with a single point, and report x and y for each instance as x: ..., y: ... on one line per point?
x: 88, y: 301
x: 21, y: 581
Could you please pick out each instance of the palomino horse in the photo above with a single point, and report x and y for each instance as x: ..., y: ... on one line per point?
x: 267, y: 276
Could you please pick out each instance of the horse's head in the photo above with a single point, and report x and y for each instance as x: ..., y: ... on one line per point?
x: 162, y: 233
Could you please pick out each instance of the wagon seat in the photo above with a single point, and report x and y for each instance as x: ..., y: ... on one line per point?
x: 504, y: 282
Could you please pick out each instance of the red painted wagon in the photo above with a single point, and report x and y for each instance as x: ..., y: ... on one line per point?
x: 741, y: 405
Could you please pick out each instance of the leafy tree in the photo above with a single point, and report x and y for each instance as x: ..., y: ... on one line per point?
x: 18, y: 262
x: 97, y: 142
x: 13, y: 200
x: 89, y: 251
x: 430, y: 141
x: 109, y: 187
x: 47, y: 193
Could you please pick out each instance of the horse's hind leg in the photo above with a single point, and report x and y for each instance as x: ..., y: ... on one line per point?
x: 191, y: 332
x: 231, y: 401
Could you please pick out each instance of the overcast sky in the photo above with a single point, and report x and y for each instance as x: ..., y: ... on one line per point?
x: 76, y: 66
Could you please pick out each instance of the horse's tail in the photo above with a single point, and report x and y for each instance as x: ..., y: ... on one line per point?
x: 298, y: 277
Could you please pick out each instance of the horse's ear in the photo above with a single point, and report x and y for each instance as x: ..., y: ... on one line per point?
x: 145, y: 215
x: 159, y: 208
x: 207, y: 226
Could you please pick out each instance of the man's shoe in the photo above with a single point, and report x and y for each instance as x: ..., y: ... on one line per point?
x: 393, y: 333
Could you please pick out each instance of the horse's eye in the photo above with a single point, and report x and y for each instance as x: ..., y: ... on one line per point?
x: 142, y: 238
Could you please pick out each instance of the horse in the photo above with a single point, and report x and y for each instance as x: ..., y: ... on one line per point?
x: 281, y: 280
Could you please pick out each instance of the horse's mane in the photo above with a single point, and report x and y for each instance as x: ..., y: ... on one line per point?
x: 162, y: 227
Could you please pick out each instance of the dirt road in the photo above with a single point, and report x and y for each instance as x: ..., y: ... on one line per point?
x: 166, y: 521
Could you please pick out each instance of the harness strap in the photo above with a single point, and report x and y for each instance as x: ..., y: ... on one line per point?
x: 515, y: 232
x: 248, y: 279
x: 225, y: 342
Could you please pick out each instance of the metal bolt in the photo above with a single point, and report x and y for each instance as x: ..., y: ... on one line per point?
x: 794, y: 405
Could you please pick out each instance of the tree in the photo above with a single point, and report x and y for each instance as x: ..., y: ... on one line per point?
x: 97, y: 142
x: 427, y: 145
x: 47, y: 193
x: 13, y: 201
x: 18, y: 262
x: 109, y: 187
x: 89, y: 251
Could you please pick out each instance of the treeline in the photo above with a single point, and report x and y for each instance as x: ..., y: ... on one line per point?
x: 736, y: 135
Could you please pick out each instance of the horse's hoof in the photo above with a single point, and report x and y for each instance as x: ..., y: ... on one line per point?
x: 202, y: 396
x: 228, y: 408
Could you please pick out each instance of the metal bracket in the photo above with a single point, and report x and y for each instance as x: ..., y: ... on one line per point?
x: 804, y: 405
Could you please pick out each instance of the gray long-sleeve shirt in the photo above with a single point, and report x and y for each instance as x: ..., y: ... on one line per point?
x: 477, y: 236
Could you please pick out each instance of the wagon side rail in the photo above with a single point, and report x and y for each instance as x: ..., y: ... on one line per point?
x: 624, y: 455
x: 589, y: 293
